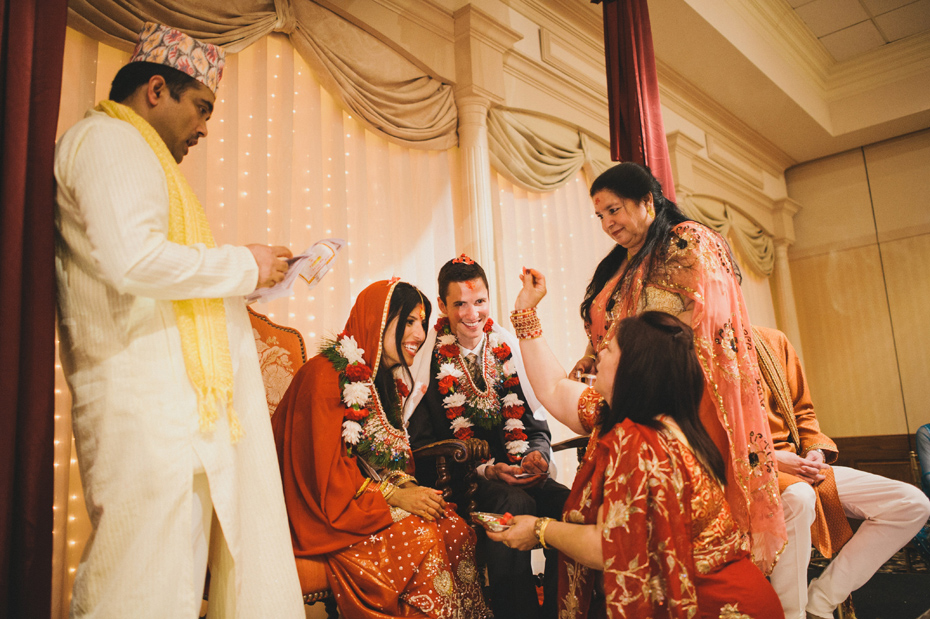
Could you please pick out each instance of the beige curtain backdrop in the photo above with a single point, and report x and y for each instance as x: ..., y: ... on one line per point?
x: 541, y: 154
x: 754, y: 246
x: 370, y: 79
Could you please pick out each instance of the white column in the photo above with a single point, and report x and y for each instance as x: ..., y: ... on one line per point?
x: 476, y: 182
x: 787, y: 314
x: 481, y: 40
x: 785, y: 309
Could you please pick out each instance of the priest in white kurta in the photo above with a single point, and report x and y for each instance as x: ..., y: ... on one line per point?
x: 153, y: 478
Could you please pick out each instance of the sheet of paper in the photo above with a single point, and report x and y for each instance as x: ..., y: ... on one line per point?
x: 309, y: 266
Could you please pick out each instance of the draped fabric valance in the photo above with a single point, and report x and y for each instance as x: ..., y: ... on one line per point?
x: 753, y: 244
x: 372, y: 80
x: 541, y: 154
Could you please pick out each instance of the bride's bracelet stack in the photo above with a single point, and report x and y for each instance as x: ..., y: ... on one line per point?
x: 526, y: 323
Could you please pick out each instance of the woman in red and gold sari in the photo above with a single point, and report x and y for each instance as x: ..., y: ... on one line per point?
x: 391, y: 547
x: 664, y: 261
x: 647, y: 530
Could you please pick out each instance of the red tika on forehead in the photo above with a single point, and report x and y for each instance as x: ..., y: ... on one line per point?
x: 470, y: 284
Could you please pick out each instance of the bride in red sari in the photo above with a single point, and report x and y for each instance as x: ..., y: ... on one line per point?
x: 646, y: 530
x: 391, y: 547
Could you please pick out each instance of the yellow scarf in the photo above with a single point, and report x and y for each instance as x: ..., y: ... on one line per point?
x: 201, y: 322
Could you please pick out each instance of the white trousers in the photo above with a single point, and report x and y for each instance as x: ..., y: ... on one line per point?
x: 892, y: 513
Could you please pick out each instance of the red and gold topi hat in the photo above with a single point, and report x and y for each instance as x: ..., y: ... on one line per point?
x: 163, y: 45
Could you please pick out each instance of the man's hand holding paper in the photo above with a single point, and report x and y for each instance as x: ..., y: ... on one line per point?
x: 272, y: 263
x: 310, y: 266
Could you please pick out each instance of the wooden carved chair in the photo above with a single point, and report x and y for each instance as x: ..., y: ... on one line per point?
x: 281, y: 352
x: 447, y: 453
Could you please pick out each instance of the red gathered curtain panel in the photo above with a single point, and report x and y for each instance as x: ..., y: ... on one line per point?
x: 32, y: 39
x: 636, y: 130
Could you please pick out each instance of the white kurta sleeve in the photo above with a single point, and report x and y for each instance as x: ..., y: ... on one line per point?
x: 121, y: 195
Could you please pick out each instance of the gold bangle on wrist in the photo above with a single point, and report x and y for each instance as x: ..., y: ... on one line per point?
x: 526, y: 323
x: 387, y: 490
x: 540, y: 530
x: 361, y: 489
x: 399, y: 478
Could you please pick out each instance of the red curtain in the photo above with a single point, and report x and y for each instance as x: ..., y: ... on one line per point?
x: 32, y: 39
x: 636, y: 130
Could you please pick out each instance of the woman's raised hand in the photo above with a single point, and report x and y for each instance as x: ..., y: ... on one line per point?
x: 533, y: 291
x: 425, y: 502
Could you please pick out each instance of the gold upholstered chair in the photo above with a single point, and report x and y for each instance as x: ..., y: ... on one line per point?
x: 281, y: 352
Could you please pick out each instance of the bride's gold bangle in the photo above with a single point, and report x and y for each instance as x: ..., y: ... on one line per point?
x: 361, y: 489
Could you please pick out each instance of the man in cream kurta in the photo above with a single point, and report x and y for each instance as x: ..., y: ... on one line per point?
x: 153, y: 480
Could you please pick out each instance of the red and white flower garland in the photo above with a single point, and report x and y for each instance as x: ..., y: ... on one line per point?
x: 466, y: 404
x: 365, y: 427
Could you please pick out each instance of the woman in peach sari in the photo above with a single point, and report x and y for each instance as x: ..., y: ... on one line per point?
x: 391, y: 548
x: 664, y: 261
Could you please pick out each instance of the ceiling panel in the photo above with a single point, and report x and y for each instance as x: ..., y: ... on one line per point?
x: 853, y: 41
x: 905, y: 21
x: 878, y: 7
x: 827, y: 16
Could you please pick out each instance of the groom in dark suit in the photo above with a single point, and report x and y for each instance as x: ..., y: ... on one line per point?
x: 475, y: 389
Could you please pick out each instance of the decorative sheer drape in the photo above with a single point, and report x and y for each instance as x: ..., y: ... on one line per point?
x: 755, y: 246
x: 370, y: 79
x: 541, y: 154
x: 757, y: 293
x: 558, y: 234
x: 283, y: 163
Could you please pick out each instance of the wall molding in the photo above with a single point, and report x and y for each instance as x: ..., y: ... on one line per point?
x: 781, y: 27
x: 574, y: 19
x: 391, y: 22
x: 732, y: 189
x: 558, y: 53
x: 590, y: 103
x: 894, y: 62
x: 725, y: 153
x: 689, y: 101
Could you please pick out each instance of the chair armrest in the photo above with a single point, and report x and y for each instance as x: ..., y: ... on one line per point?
x: 460, y: 451
x: 572, y: 443
x: 467, y: 452
x: 579, y: 444
x: 452, y: 448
